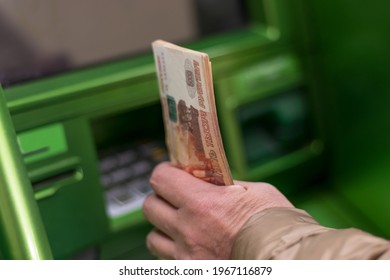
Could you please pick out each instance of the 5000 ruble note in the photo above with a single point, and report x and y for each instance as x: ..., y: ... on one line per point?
x: 191, y: 126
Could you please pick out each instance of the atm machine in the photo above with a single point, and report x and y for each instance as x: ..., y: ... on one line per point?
x: 87, y: 119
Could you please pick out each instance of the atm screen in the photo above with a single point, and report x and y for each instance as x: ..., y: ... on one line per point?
x: 43, y: 37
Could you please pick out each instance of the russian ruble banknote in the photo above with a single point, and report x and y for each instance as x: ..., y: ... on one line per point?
x: 192, y: 132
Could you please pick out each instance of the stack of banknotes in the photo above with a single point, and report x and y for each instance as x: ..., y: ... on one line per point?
x: 192, y: 132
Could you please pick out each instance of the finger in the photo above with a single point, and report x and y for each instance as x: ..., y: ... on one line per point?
x: 175, y: 185
x: 160, y: 245
x: 161, y: 214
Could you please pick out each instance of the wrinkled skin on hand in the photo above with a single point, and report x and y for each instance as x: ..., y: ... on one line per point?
x: 194, y: 219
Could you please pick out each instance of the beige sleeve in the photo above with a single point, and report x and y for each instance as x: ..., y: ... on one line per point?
x: 289, y: 233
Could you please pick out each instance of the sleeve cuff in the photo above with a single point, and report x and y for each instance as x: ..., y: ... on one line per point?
x: 269, y: 233
x: 290, y: 233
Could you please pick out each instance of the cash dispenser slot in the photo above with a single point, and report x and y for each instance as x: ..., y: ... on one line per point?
x: 50, y: 179
x: 35, y: 152
x: 56, y: 179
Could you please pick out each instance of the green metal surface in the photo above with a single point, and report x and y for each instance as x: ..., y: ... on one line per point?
x: 262, y: 79
x: 127, y: 244
x: 332, y: 210
x: 351, y: 58
x: 42, y: 142
x: 22, y: 233
x: 70, y: 197
x: 132, y: 219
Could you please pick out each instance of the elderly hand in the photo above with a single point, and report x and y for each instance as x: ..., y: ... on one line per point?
x: 198, y: 220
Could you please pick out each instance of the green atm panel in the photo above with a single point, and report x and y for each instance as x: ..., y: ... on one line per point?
x: 42, y: 142
x: 62, y: 169
x: 22, y: 234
